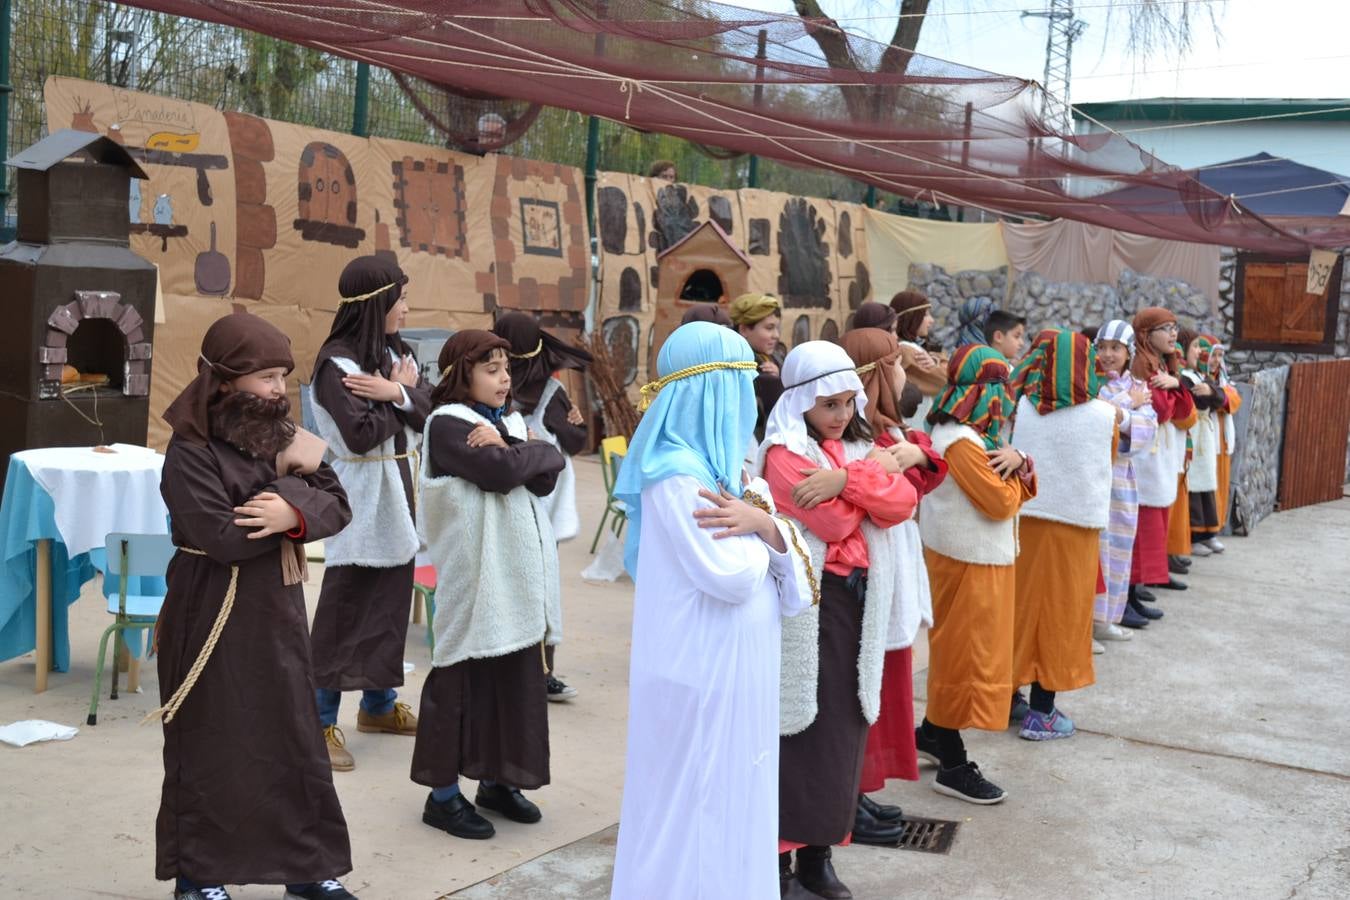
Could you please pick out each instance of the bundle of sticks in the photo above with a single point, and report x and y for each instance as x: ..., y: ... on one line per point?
x: 620, y: 415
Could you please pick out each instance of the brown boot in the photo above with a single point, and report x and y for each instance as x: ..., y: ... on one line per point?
x: 341, y: 760
x: 399, y: 720
x: 815, y: 872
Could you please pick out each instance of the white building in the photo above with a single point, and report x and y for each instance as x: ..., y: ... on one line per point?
x: 1317, y: 134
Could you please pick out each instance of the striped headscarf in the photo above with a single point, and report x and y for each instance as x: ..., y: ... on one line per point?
x: 1208, y: 344
x: 1063, y: 371
x: 1117, y: 330
x: 977, y: 391
x: 1027, y: 373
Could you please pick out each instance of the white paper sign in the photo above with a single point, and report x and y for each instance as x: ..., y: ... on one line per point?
x: 1320, y: 264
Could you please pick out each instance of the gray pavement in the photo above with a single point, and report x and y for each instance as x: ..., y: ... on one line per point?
x: 1213, y: 757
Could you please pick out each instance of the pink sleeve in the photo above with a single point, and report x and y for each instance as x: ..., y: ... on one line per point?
x: 831, y: 521
x: 888, y: 499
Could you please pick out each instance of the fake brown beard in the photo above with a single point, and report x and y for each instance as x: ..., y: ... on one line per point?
x: 252, y: 425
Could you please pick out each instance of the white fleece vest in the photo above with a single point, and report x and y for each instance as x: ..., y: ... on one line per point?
x: 495, y: 557
x: 1156, y: 467
x: 951, y: 525
x: 382, y: 533
x: 1072, y: 450
x: 561, y: 503
x: 800, y: 670
x: 912, y: 605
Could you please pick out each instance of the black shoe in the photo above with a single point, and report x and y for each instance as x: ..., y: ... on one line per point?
x: 1177, y: 565
x: 508, y: 801
x: 965, y: 782
x: 786, y: 879
x: 331, y: 889
x: 1148, y: 612
x: 926, y: 747
x: 868, y: 829
x: 816, y: 874
x: 1132, y: 619
x: 882, y: 812
x: 204, y: 893
x: 458, y: 817
x: 1171, y: 585
x: 1139, y: 592
x: 558, y: 691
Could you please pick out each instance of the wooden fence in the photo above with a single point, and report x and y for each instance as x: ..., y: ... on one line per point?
x: 1312, y: 467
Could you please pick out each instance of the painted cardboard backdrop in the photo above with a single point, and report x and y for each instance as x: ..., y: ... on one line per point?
x: 813, y: 253
x: 246, y: 212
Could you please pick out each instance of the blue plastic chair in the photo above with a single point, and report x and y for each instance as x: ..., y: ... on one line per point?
x: 140, y: 556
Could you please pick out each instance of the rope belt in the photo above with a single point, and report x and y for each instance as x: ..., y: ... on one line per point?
x: 759, y: 502
x: 170, y: 708
x: 416, y: 466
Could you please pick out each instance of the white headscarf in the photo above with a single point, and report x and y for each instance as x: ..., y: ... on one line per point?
x: 813, y: 369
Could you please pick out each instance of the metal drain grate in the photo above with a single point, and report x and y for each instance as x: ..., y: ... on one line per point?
x: 927, y: 835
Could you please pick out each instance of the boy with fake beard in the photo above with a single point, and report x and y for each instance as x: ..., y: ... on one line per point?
x: 248, y: 793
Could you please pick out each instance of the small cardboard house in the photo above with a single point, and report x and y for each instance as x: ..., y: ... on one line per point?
x: 702, y: 267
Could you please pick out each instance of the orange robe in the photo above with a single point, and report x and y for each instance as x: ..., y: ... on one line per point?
x: 1179, y: 518
x: 1224, y: 492
x: 970, y: 646
x: 1052, y: 620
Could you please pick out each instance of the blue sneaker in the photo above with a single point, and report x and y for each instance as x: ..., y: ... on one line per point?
x: 1037, y: 726
x: 1020, y: 708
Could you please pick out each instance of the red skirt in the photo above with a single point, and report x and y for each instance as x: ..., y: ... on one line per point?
x: 1149, y: 564
x: 890, y: 742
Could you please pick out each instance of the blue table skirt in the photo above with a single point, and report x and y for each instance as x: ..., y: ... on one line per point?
x: 27, y: 515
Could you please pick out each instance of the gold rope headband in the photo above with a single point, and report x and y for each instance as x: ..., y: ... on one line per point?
x: 532, y: 354
x: 863, y: 370
x: 652, y: 388
x: 915, y: 309
x: 360, y: 297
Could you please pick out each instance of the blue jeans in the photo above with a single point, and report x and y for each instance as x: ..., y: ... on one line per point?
x: 375, y: 703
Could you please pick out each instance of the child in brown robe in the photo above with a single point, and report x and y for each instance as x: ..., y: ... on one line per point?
x: 369, y: 406
x: 248, y: 795
x: 484, y: 708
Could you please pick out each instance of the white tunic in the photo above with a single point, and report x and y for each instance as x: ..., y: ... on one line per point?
x: 700, y: 795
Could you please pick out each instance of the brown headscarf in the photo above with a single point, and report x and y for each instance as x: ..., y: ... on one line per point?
x: 878, y: 349
x: 358, y: 328
x: 456, y: 362
x: 238, y: 344
x: 707, y: 312
x: 875, y: 315
x: 910, y: 307
x: 535, y: 356
x: 1147, y: 362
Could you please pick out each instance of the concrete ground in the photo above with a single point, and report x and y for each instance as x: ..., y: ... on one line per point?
x: 1213, y: 760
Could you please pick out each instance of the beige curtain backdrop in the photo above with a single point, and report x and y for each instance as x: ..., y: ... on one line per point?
x: 1071, y: 251
x: 894, y: 242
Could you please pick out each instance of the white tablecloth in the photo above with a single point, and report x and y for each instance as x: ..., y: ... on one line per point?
x: 97, y: 493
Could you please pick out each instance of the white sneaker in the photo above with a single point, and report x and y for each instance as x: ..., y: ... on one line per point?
x: 1105, y: 631
x: 1214, y: 544
x: 1201, y: 550
x: 1097, y: 649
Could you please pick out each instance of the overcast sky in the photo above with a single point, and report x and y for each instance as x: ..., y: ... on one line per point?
x: 1265, y: 48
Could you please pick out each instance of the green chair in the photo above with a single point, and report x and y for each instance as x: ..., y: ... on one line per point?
x: 424, y: 592
x: 129, y: 556
x: 612, y: 452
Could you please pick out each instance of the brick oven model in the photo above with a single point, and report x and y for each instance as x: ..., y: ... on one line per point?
x: 77, y: 304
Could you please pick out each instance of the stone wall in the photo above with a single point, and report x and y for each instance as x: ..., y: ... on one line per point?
x: 1047, y: 303
x: 1256, y: 482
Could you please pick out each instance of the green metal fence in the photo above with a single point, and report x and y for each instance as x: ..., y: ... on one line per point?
x: 232, y: 69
